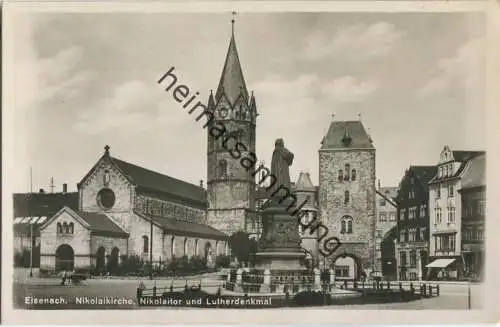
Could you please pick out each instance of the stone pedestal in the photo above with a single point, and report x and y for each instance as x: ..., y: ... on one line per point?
x: 279, y: 246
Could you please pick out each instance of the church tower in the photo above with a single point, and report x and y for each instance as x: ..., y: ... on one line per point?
x: 347, y: 196
x: 230, y: 187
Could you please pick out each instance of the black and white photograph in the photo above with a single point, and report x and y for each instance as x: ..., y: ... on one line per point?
x: 245, y: 160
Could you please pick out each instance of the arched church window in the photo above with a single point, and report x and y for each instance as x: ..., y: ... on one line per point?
x: 347, y: 170
x: 343, y: 227
x: 145, y: 244
x: 71, y: 228
x: 172, y: 247
x: 341, y: 175
x: 106, y: 178
x: 59, y: 228
x: 65, y: 228
x: 346, y: 197
x: 353, y: 175
x: 346, y: 225
x: 186, y: 246
x: 197, y: 243
x: 223, y: 169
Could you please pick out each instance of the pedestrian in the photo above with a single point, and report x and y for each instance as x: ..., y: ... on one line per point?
x: 64, y: 276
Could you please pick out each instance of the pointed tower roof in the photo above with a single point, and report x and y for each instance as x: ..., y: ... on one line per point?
x: 346, y: 134
x: 304, y: 182
x: 232, y: 83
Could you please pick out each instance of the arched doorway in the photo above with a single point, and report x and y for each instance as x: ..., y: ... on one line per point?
x: 65, y: 258
x: 347, y: 266
x: 113, y: 261
x: 100, y: 264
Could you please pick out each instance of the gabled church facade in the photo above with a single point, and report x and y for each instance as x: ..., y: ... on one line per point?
x: 128, y: 210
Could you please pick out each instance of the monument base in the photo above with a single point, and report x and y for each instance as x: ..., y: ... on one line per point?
x: 281, y: 261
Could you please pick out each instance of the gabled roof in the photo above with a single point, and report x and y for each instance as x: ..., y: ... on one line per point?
x: 97, y: 223
x: 466, y: 155
x: 42, y: 204
x: 155, y: 181
x: 100, y: 223
x: 304, y: 183
x: 424, y: 173
x: 232, y: 82
x: 180, y: 227
x: 475, y: 175
x: 148, y: 180
x: 346, y: 134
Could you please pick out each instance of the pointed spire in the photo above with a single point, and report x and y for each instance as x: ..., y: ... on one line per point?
x: 232, y: 82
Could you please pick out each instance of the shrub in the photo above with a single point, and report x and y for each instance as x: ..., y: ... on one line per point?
x: 197, y: 263
x: 222, y: 261
x: 130, y: 265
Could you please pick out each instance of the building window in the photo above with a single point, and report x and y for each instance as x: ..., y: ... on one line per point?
x: 480, y: 234
x: 440, y: 172
x: 450, y: 191
x: 438, y: 215
x: 59, y: 228
x: 402, y: 259
x: 438, y: 191
x: 71, y: 227
x: 402, y: 235
x: 341, y: 175
x: 412, y: 180
x: 196, y: 243
x: 413, y: 258
x: 451, y: 169
x: 423, y: 211
x: 402, y: 214
x: 481, y: 207
x: 382, y: 216
x: 106, y: 198
x: 346, y: 197
x: 223, y: 169
x: 346, y: 225
x: 392, y: 216
x: 347, y: 170
x: 353, y: 175
x: 382, y: 202
x: 106, y: 178
x: 423, y: 232
x: 145, y: 244
x: 411, y: 213
x: 417, y: 235
x: 451, y: 214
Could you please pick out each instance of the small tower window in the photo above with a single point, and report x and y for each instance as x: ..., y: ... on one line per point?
x: 341, y: 175
x: 347, y: 169
x: 349, y: 226
x: 343, y: 228
x: 346, y: 225
x: 353, y: 175
x: 66, y: 228
x: 346, y: 197
x: 223, y: 169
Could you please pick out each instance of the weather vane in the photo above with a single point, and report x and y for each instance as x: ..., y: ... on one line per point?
x: 232, y: 20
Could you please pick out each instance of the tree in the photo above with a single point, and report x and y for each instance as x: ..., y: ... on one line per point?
x: 242, y: 247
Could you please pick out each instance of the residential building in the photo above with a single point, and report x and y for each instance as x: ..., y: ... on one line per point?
x: 445, y: 205
x: 412, y: 244
x: 386, y: 210
x: 473, y: 193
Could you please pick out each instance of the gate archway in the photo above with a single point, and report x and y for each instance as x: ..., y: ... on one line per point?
x: 65, y: 258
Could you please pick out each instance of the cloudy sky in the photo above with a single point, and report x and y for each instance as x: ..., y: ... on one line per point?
x: 86, y: 80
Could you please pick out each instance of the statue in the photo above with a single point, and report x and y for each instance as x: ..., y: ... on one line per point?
x: 281, y: 160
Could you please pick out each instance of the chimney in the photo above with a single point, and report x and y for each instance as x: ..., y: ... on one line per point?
x: 42, y: 190
x: 65, y: 188
x: 201, y: 183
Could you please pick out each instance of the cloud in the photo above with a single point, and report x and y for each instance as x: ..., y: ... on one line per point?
x: 348, y: 90
x: 133, y: 105
x: 465, y: 69
x: 356, y: 42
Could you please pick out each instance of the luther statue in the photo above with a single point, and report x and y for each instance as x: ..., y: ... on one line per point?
x: 282, y: 159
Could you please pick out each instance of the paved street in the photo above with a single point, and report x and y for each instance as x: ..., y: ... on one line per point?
x: 453, y: 295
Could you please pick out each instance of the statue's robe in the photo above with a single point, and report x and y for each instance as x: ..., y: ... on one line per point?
x: 281, y: 160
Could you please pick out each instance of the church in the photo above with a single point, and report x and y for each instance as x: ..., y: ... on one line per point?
x: 122, y: 209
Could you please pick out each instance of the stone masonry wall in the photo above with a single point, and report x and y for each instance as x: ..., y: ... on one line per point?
x: 361, y: 206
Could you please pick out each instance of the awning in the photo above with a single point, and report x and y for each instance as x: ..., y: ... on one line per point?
x: 440, y: 263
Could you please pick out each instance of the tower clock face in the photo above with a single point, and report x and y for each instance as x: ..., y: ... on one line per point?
x: 106, y: 198
x: 223, y: 112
